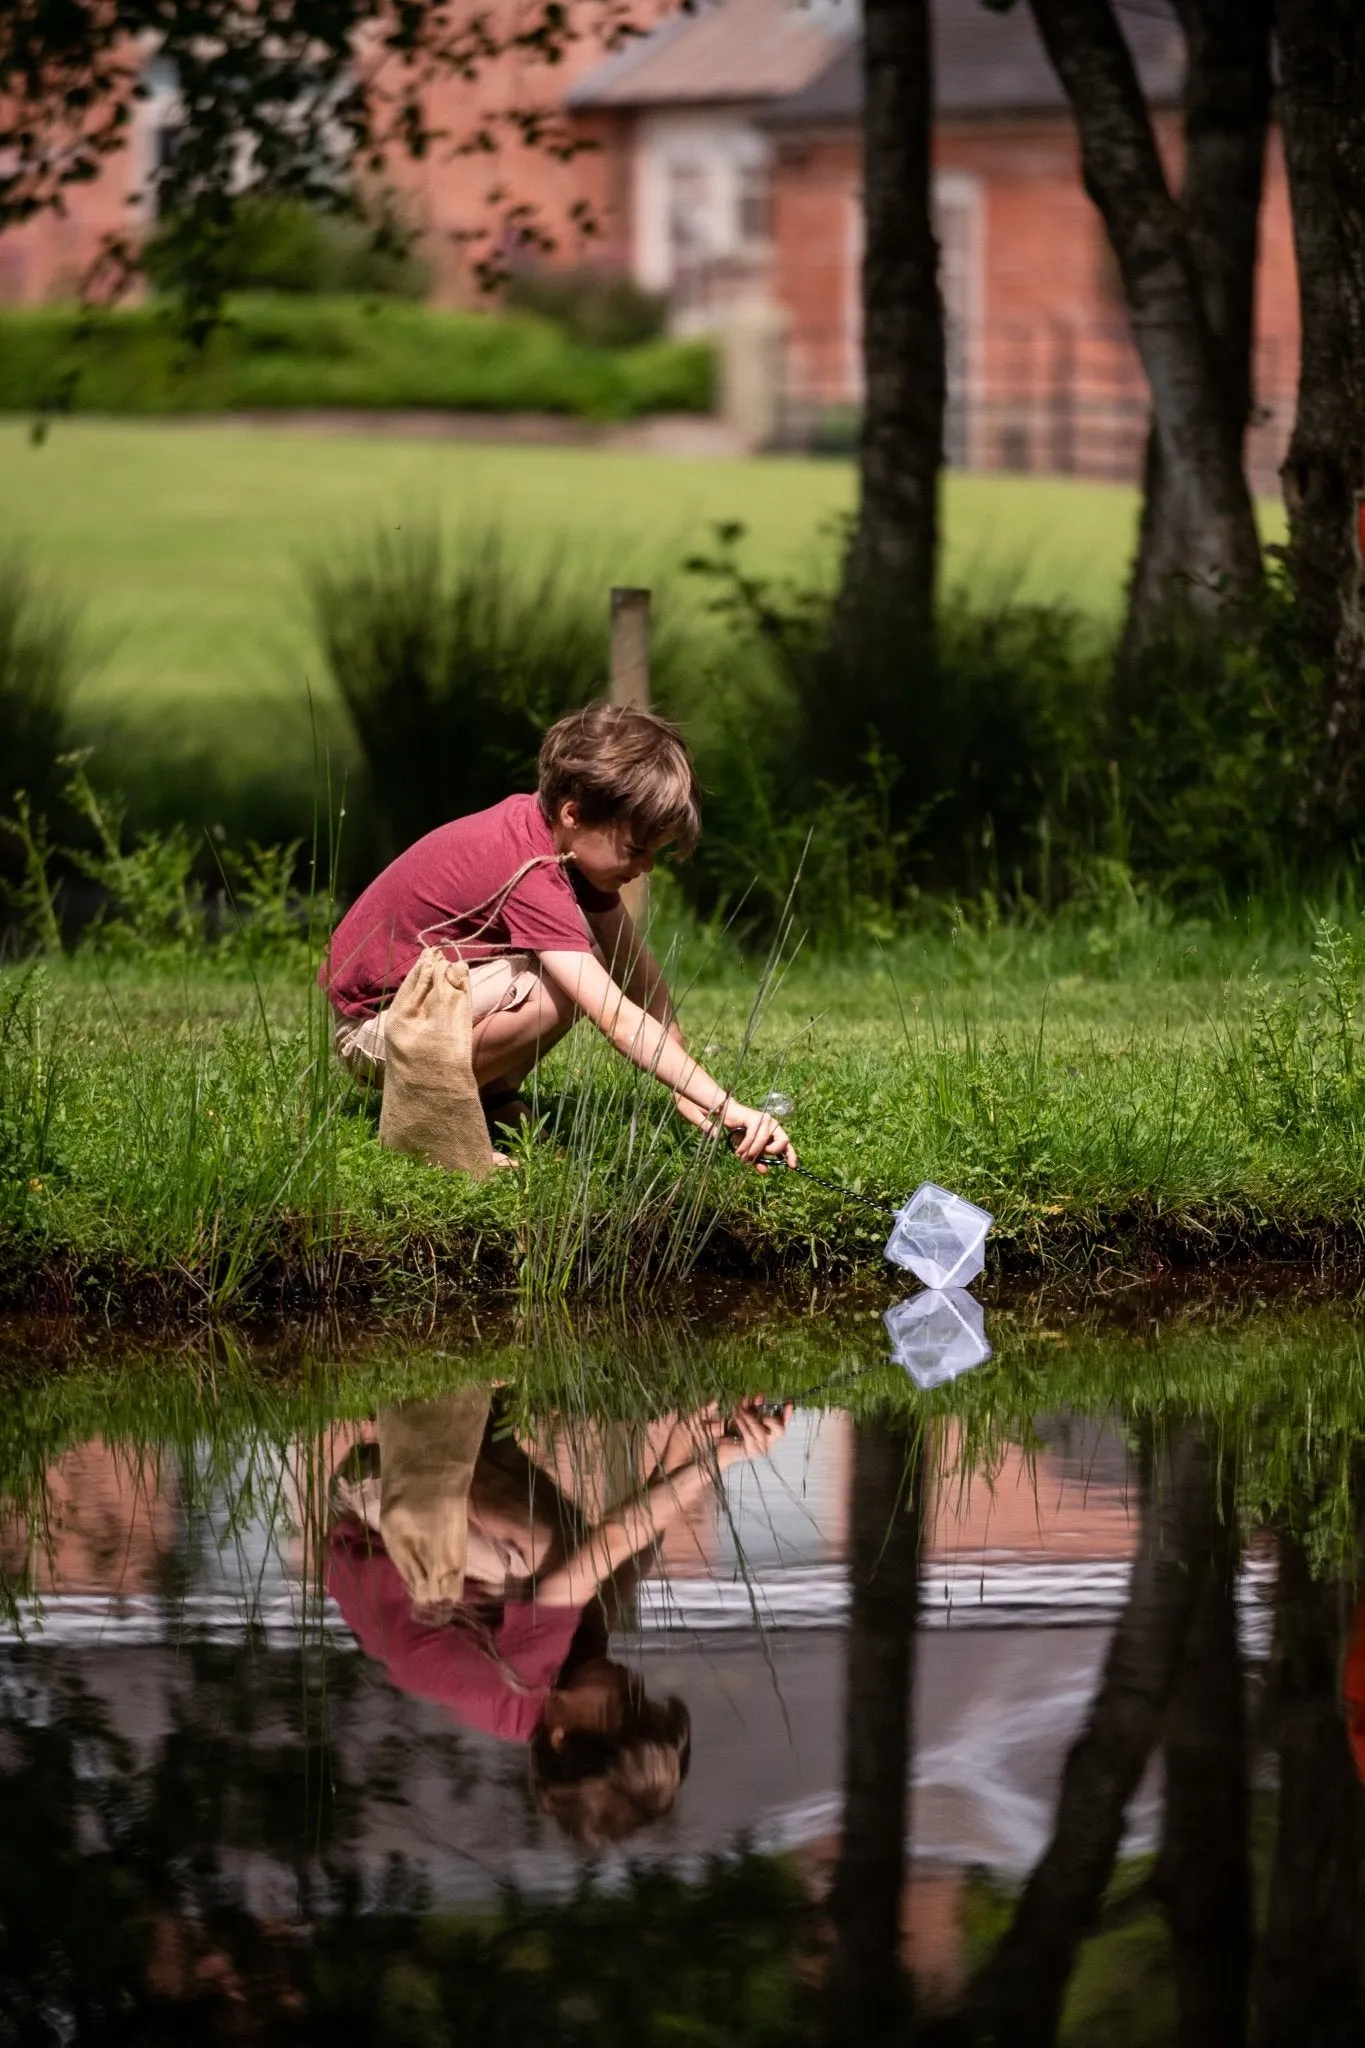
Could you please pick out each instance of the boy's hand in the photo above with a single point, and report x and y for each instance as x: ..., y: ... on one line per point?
x: 756, y: 1136
x: 751, y: 1432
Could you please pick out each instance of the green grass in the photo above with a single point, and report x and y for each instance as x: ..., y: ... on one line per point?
x: 187, y: 540
x: 1116, y: 1093
x: 186, y: 545
x: 285, y: 351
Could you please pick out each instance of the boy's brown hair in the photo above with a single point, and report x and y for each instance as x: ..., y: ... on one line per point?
x: 622, y: 765
x: 601, y: 1787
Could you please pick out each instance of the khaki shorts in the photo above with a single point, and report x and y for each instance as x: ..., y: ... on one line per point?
x: 502, y: 984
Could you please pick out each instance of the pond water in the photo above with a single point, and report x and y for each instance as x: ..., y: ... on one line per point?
x: 697, y: 1678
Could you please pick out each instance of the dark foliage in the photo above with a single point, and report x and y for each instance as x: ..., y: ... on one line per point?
x: 957, y: 759
x: 451, y: 660
x: 41, y: 656
x: 1006, y: 753
x: 604, y: 308
x: 285, y: 245
x: 1217, y: 746
x: 271, y: 101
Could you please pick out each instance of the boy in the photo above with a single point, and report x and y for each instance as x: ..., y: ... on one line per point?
x: 528, y: 893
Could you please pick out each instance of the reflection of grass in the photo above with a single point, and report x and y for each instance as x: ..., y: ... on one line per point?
x: 1121, y: 1993
x: 222, y: 1414
x: 180, y: 1135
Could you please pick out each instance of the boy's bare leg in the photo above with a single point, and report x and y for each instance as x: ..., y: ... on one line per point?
x: 510, y: 1042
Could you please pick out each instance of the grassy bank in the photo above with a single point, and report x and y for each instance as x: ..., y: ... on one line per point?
x: 1118, y: 1096
x: 367, y: 353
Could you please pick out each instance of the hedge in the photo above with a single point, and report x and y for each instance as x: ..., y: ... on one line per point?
x: 370, y: 354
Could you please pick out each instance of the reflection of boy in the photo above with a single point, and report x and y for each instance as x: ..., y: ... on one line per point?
x: 529, y: 894
x: 605, y: 1758
x: 1353, y: 1691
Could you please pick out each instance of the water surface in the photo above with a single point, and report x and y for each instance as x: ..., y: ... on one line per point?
x: 340, y: 1683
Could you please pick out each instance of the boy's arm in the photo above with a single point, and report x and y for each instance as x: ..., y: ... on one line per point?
x: 659, y: 1051
x: 638, y: 1523
x: 631, y: 965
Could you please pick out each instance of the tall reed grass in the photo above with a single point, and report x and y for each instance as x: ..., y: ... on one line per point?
x: 644, y: 1195
x: 452, y: 655
x: 44, y: 652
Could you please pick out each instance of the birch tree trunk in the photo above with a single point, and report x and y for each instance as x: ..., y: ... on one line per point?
x: 892, y: 560
x: 1203, y: 484
x: 1322, y: 103
x: 1227, y: 115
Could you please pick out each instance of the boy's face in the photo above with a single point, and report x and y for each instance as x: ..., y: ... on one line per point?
x: 607, y: 855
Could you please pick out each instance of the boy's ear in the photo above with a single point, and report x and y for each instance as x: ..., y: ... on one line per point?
x: 568, y: 815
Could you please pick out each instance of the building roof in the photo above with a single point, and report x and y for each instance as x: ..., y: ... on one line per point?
x: 722, y: 50
x: 804, y: 60
x: 989, y: 63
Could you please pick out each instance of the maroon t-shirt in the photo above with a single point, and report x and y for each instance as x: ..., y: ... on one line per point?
x: 434, y: 888
x: 445, y: 1663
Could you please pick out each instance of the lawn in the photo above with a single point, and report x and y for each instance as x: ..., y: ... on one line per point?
x: 186, y: 540
x: 185, y: 544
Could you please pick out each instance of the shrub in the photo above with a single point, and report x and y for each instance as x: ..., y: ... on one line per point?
x: 1216, y: 743
x: 604, y: 308
x: 42, y: 654
x: 452, y: 659
x: 146, y: 902
x: 955, y: 760
x: 281, y: 350
x: 285, y: 245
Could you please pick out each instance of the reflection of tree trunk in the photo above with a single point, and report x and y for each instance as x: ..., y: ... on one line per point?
x: 1018, y: 1995
x: 866, y: 1987
x: 1203, y: 1875
x: 1310, y: 1992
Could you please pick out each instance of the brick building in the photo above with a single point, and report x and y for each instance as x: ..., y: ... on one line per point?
x: 739, y: 132
x: 724, y: 171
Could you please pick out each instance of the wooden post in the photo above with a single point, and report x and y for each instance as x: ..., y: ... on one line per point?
x: 630, y: 689
x: 630, y: 648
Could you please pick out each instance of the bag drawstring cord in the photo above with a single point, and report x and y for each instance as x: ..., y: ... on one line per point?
x: 492, y: 905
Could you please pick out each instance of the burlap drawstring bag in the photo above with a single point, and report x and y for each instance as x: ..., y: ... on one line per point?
x: 431, y: 1103
x: 427, y: 1454
x: 431, y: 1100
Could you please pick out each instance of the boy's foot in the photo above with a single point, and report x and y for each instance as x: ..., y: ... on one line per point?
x: 504, y: 1112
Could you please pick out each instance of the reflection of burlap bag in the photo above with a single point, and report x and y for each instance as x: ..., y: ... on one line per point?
x: 427, y: 1452
x: 431, y: 1100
